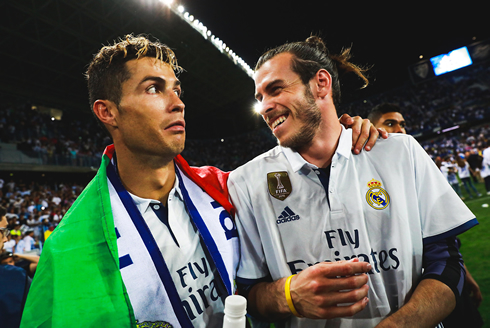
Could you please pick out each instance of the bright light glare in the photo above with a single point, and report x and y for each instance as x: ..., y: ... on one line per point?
x: 180, y: 9
x: 168, y: 2
x: 257, y: 107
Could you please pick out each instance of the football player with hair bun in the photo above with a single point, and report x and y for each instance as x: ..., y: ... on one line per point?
x: 329, y: 239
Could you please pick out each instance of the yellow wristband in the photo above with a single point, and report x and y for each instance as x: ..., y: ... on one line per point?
x: 287, y: 291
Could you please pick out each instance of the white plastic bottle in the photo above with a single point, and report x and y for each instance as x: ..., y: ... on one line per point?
x: 235, y: 310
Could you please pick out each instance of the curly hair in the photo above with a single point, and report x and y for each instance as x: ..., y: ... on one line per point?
x: 311, y: 55
x: 107, y: 71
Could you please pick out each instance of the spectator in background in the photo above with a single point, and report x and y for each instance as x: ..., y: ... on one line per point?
x: 21, y: 245
x: 389, y: 117
x: 24, y: 261
x: 14, y: 284
x: 9, y: 245
x: 464, y: 171
x: 16, y: 230
x: 475, y: 161
x: 485, y: 171
x: 56, y: 199
x: 29, y: 241
x: 449, y: 168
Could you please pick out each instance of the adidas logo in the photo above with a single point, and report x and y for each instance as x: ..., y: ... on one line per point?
x: 287, y: 215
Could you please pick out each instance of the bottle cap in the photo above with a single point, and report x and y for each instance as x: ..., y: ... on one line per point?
x: 236, y: 305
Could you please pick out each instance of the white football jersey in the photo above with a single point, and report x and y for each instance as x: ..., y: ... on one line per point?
x: 382, y: 205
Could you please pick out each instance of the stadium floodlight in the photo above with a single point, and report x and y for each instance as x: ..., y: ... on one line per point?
x: 206, y: 33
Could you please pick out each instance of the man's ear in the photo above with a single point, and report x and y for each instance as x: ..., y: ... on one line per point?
x: 105, y: 110
x: 323, y: 81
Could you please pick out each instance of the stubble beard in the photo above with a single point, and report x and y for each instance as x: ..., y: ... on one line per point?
x: 310, y: 115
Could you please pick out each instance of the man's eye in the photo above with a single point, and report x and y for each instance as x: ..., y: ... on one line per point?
x: 276, y: 89
x: 152, y: 89
x: 389, y: 124
x: 178, y: 93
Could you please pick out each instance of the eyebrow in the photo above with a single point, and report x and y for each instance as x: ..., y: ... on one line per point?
x: 268, y: 87
x: 159, y: 80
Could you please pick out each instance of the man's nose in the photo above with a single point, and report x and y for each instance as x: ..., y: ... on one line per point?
x: 178, y: 104
x: 265, y: 107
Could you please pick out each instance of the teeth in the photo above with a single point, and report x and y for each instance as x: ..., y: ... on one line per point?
x: 278, y: 121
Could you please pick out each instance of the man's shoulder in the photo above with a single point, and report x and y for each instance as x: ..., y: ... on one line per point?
x: 398, y: 137
x: 395, y: 141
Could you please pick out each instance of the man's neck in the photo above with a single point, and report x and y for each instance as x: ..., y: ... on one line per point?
x: 146, y: 177
x: 320, y: 151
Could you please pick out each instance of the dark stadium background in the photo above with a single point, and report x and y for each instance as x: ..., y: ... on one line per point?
x: 46, y: 45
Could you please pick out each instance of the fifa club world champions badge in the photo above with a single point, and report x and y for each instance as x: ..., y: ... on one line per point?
x: 279, y: 185
x: 376, y: 196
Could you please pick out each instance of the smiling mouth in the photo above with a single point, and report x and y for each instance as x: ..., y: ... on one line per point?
x: 278, y: 121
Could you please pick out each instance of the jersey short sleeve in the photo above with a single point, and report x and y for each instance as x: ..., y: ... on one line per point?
x: 442, y: 212
x: 253, y: 265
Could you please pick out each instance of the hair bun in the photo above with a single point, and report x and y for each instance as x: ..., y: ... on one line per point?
x: 317, y: 43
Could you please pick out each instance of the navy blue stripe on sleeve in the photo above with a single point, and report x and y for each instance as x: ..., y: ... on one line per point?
x: 454, y: 232
x: 442, y: 261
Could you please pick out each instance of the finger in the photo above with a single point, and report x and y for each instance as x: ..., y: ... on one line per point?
x: 356, y: 131
x: 373, y: 137
x: 347, y: 297
x: 365, y: 131
x: 346, y: 120
x: 346, y: 283
x: 348, y: 311
x: 342, y: 311
x: 383, y: 133
x: 343, y: 269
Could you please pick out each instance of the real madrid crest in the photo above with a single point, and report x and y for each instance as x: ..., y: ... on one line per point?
x: 279, y: 185
x: 376, y: 196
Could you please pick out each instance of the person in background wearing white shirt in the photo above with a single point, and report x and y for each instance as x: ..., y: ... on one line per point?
x: 485, y: 171
x: 29, y: 242
x: 56, y: 198
x: 464, y: 173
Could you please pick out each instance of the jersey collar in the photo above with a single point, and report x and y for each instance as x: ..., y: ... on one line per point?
x: 143, y: 203
x: 297, y: 162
